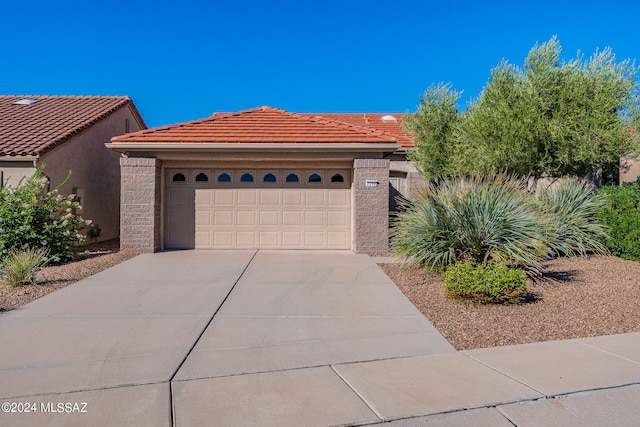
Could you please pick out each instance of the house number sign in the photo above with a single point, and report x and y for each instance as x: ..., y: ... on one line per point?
x: 371, y: 183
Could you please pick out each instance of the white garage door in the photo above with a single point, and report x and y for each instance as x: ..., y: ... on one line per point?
x: 270, y: 209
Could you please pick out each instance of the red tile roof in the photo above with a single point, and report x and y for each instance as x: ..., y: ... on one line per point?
x: 30, y: 130
x: 261, y: 125
x: 374, y: 121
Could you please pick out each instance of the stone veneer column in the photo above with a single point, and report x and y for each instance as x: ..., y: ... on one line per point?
x: 140, y: 204
x: 370, y: 206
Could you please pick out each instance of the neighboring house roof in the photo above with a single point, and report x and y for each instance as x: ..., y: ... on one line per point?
x: 261, y: 125
x: 389, y: 123
x: 33, y: 128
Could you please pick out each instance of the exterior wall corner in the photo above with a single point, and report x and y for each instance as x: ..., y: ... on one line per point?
x: 370, y: 206
x: 140, y: 204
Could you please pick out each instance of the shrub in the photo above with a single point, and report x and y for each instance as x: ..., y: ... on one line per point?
x: 476, y: 220
x: 31, y: 216
x: 19, y: 267
x: 622, y: 215
x: 570, y: 210
x: 486, y: 283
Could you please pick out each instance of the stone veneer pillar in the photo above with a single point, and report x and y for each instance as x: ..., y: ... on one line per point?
x: 140, y: 204
x: 371, y: 206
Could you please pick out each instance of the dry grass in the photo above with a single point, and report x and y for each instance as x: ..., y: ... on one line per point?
x: 581, y: 297
x: 97, y: 257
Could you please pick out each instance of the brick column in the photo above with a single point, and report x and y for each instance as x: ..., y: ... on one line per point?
x: 140, y: 204
x: 370, y: 206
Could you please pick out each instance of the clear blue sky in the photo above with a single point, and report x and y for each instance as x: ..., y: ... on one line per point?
x: 183, y: 60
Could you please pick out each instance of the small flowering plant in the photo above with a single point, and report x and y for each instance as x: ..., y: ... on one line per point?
x: 33, y: 217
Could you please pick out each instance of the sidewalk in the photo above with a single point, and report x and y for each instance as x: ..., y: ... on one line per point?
x: 286, y: 338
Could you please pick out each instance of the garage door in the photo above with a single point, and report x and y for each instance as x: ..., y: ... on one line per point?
x: 270, y: 209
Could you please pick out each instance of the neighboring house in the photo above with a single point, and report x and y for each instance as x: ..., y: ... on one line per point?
x: 260, y: 178
x: 66, y: 133
x: 404, y: 178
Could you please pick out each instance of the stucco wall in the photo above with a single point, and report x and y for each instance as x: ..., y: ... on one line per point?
x: 12, y: 172
x: 629, y: 170
x: 95, y: 170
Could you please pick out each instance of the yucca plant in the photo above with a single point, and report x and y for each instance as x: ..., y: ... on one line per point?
x: 19, y: 267
x: 570, y: 209
x: 475, y: 220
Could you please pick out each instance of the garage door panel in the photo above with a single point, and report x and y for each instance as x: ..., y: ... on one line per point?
x: 223, y: 218
x: 246, y: 218
x: 269, y: 218
x: 269, y: 198
x: 315, y: 197
x: 337, y: 239
x: 292, y: 198
x: 288, y: 215
x: 314, y: 239
x: 203, y: 238
x: 314, y: 218
x: 247, y: 197
x: 223, y: 239
x: 246, y: 239
x: 203, y: 218
x: 339, y: 198
x: 269, y: 239
x: 224, y: 197
x: 338, y: 218
x: 291, y: 218
x: 204, y: 198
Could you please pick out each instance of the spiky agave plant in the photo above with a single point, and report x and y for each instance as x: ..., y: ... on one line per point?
x: 571, y: 208
x: 472, y: 219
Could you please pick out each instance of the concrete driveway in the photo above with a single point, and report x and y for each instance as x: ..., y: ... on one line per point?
x: 243, y: 338
x: 165, y: 337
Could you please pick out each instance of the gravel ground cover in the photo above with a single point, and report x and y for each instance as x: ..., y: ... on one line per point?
x: 580, y: 297
x: 577, y: 298
x: 93, y: 259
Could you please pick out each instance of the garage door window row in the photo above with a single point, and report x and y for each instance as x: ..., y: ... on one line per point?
x: 267, y: 177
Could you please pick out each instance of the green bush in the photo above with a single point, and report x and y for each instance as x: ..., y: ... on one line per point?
x: 486, y: 283
x: 570, y: 210
x: 19, y: 267
x: 622, y: 215
x: 32, y: 217
x: 499, y: 219
x: 476, y: 220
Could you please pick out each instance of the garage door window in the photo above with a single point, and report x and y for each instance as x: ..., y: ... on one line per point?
x: 269, y: 178
x: 202, y: 177
x: 224, y: 177
x: 315, y: 178
x: 246, y: 177
x: 337, y: 178
x: 292, y: 177
x: 179, y: 177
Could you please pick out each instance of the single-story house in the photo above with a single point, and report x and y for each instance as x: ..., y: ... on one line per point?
x: 66, y: 133
x: 262, y: 178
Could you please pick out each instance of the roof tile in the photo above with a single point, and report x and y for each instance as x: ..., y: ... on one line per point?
x: 262, y: 125
x: 34, y: 129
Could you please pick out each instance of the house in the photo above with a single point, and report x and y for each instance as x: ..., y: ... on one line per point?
x: 261, y: 178
x: 67, y: 133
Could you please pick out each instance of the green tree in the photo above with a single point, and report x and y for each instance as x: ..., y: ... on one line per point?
x: 433, y: 124
x: 551, y: 117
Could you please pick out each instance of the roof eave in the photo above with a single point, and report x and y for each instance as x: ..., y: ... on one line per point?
x: 146, y: 147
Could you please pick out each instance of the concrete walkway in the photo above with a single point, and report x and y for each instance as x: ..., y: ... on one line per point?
x: 285, y: 338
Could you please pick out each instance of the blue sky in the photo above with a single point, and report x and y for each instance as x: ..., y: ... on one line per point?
x: 184, y: 60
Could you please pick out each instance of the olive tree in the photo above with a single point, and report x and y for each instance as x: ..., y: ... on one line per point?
x: 550, y: 117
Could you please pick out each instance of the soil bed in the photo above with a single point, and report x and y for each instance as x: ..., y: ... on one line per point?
x: 91, y: 260
x: 580, y: 297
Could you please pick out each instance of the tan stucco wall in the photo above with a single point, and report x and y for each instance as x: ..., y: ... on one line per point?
x: 629, y: 170
x: 12, y: 172
x: 95, y: 170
